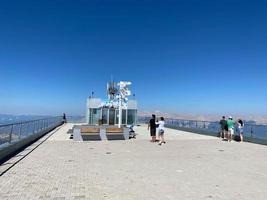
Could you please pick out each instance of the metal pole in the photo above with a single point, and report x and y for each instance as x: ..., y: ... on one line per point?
x: 34, y: 127
x: 20, y: 130
x: 10, y: 134
x: 120, y: 113
x: 27, y: 129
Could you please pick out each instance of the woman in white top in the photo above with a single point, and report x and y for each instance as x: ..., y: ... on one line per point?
x: 161, y: 130
x: 240, y: 128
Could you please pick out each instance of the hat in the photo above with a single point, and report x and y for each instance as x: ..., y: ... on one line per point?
x: 230, y: 117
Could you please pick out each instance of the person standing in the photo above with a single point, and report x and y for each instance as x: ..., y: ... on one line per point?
x: 64, y: 118
x: 240, y: 128
x: 161, y: 124
x: 231, y: 126
x: 157, y: 131
x: 152, y: 127
x: 223, y: 124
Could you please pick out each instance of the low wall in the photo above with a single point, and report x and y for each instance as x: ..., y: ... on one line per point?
x: 210, y: 133
x: 14, y: 148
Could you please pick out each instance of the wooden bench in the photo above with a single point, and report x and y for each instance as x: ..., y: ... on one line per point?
x: 115, y: 133
x: 88, y: 130
x: 90, y: 133
x: 114, y: 130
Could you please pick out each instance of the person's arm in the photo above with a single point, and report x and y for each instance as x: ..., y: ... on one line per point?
x: 148, y: 126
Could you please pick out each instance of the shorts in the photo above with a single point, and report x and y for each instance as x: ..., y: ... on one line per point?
x: 152, y: 132
x: 231, y: 131
x: 240, y: 130
x: 161, y: 132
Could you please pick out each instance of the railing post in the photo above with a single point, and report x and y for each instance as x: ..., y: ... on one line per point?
x: 251, y: 133
x: 34, y: 125
x: 20, y: 130
x: 42, y: 125
x: 10, y: 134
x: 27, y: 129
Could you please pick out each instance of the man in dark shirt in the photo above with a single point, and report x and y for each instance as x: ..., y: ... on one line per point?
x: 152, y: 127
x: 64, y: 118
x: 223, y: 124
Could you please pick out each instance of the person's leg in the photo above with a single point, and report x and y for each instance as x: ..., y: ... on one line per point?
x: 225, y: 135
x: 162, y: 138
x: 231, y: 134
x: 157, y: 136
x: 151, y: 134
x: 154, y: 135
x: 241, y: 136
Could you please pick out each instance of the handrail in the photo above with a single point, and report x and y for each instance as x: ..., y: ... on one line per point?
x: 14, y: 132
x: 253, y: 132
x: 30, y: 121
x: 203, y: 121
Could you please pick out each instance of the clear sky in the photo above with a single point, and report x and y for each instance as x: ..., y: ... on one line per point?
x: 198, y: 57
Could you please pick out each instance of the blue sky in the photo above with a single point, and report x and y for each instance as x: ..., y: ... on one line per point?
x: 198, y: 57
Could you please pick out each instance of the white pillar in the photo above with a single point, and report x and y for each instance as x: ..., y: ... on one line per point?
x: 120, y: 113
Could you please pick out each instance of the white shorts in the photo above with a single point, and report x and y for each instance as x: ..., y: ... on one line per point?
x: 231, y: 131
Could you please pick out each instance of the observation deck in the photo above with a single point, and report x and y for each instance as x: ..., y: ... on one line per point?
x: 188, y: 166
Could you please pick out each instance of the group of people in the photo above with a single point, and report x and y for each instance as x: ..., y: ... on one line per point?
x: 227, y: 132
x: 228, y: 127
x: 157, y: 126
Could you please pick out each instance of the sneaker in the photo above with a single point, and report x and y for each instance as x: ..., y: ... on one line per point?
x: 160, y: 143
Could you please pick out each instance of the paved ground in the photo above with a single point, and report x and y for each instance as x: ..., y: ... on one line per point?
x: 189, y: 166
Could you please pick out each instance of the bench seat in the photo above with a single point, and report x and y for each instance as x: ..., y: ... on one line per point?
x: 90, y: 133
x: 115, y: 133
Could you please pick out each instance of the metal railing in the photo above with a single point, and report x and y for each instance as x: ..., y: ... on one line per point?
x: 14, y: 132
x: 252, y: 132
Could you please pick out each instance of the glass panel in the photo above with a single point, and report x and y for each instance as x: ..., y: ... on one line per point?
x: 94, y: 115
x: 116, y: 116
x: 111, y: 116
x: 123, y: 116
x: 105, y: 115
x: 131, y: 116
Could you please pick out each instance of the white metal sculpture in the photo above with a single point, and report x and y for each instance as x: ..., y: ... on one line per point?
x: 122, y: 98
x: 117, y: 97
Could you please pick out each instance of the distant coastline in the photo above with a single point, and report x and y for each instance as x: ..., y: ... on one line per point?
x: 7, y: 118
x: 259, y: 120
x: 251, y: 119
